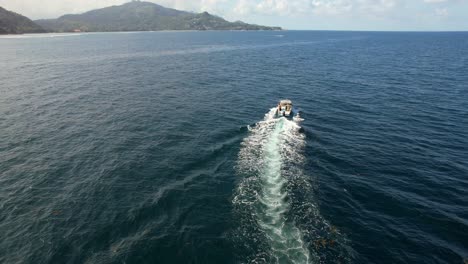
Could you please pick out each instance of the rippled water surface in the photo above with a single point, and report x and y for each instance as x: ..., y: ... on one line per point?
x: 161, y: 147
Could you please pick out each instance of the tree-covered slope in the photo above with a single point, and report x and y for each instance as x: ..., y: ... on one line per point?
x: 13, y: 23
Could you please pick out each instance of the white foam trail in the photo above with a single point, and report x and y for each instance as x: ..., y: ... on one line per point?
x: 271, y: 146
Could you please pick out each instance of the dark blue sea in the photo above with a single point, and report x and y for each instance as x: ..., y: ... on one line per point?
x: 163, y: 147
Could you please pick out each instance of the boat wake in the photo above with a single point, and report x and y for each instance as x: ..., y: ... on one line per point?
x: 278, y: 223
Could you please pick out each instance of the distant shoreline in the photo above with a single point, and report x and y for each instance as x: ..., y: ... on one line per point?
x: 99, y: 32
x: 216, y: 30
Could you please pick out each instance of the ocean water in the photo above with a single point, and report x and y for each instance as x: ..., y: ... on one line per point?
x: 161, y: 147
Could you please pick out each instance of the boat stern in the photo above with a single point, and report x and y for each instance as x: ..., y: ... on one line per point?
x: 285, y: 108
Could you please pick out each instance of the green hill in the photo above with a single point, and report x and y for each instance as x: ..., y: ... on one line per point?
x: 13, y: 23
x: 142, y: 16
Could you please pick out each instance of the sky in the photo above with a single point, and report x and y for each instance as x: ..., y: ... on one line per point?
x: 395, y: 15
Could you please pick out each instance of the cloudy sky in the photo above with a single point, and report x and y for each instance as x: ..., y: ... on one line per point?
x: 291, y: 14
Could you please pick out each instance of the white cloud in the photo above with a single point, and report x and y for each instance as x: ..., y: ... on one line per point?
x: 332, y: 7
x: 283, y: 7
x: 231, y: 8
x: 243, y: 7
x: 435, y: 1
x: 215, y: 6
x: 318, y: 7
x: 52, y: 8
x: 441, y: 12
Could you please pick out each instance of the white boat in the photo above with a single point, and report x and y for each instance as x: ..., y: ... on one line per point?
x: 285, y: 108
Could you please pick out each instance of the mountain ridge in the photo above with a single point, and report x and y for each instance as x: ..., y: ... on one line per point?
x: 14, y: 23
x: 142, y: 16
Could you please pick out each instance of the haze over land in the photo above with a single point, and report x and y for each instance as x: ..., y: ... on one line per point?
x: 132, y: 16
x: 142, y: 16
x: 290, y: 14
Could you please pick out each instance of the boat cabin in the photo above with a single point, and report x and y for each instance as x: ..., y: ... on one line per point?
x: 285, y: 108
